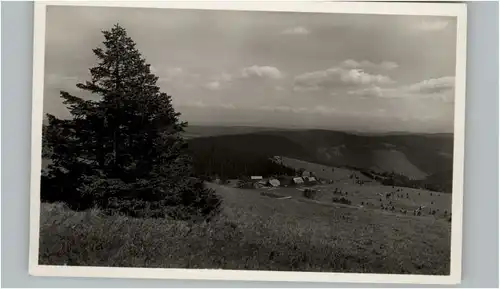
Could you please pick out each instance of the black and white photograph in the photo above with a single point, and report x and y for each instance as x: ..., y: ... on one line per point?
x: 307, y: 141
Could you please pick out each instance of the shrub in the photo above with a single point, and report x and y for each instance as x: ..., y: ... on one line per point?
x: 189, y: 202
x: 310, y: 193
x: 342, y: 200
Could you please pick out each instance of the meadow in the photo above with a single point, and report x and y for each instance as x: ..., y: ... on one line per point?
x: 253, y: 232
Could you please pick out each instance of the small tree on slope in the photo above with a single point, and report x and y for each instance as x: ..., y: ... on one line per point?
x: 125, y: 151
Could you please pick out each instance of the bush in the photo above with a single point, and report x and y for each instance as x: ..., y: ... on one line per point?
x: 188, y: 201
x: 310, y: 193
x: 342, y: 200
x: 244, y: 184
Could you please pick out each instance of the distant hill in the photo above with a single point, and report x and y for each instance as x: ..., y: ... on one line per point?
x: 194, y: 131
x: 425, y: 154
x: 234, y: 151
x: 231, y: 156
x: 415, y: 156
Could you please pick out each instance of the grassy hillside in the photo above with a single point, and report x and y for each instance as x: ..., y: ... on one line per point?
x: 253, y: 232
x: 428, y: 153
x: 323, y: 171
x: 370, y: 193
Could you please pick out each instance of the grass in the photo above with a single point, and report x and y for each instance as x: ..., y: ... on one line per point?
x: 323, y: 171
x: 370, y: 194
x: 253, y: 232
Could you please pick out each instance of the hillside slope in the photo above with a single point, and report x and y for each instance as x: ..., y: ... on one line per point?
x: 429, y: 153
x: 414, y: 156
x: 252, y: 233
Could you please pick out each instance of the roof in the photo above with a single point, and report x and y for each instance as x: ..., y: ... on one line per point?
x: 274, y: 182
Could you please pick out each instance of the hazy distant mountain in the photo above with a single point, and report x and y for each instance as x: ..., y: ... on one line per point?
x: 417, y: 156
x: 193, y: 131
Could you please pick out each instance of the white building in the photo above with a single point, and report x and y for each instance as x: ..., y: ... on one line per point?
x: 274, y: 182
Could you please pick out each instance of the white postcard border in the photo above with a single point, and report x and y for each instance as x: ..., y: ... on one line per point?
x: 430, y: 9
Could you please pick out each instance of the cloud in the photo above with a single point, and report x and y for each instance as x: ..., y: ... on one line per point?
x: 201, y: 104
x: 435, y: 25
x: 227, y: 106
x: 436, y: 88
x: 324, y: 109
x: 225, y: 77
x: 56, y: 79
x: 299, y: 30
x: 175, y: 71
x: 385, y: 65
x: 169, y: 73
x: 197, y: 104
x: 262, y: 72
x: 305, y: 110
x: 176, y: 76
x: 252, y: 72
x: 358, y: 76
x: 373, y: 91
x: 153, y: 69
x: 338, y: 77
x: 213, y: 85
x: 434, y: 85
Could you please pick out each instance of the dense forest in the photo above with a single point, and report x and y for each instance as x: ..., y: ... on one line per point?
x: 219, y: 157
x: 233, y: 156
x: 439, y: 182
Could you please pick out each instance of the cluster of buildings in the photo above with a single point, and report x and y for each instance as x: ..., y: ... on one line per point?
x: 260, y: 182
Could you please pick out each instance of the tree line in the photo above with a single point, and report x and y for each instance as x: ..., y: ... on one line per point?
x: 440, y: 182
x: 211, y: 160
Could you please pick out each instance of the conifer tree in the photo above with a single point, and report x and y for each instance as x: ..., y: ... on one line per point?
x: 125, y: 150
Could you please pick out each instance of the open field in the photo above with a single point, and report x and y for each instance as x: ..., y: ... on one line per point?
x: 370, y: 194
x: 374, y: 197
x: 323, y: 171
x: 253, y: 232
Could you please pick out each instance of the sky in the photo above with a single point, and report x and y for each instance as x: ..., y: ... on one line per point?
x: 273, y: 69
